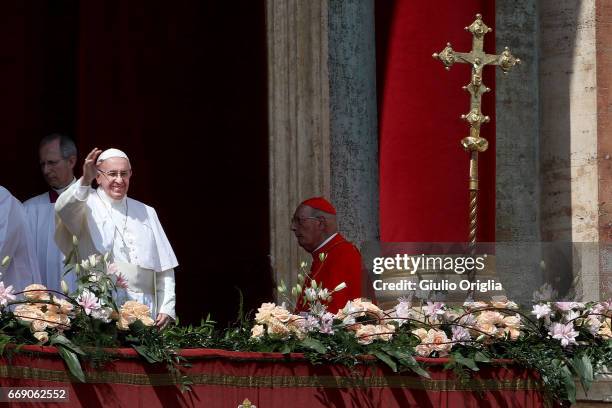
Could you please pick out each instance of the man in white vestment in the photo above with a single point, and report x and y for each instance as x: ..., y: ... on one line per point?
x: 58, y: 155
x: 15, y: 241
x: 105, y: 220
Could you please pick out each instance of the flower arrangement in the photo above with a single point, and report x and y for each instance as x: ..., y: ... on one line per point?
x: 561, y: 340
x: 88, y: 318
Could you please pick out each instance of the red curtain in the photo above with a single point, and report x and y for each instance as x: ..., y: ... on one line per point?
x: 225, y: 379
x: 37, y: 70
x: 182, y: 88
x: 423, y: 168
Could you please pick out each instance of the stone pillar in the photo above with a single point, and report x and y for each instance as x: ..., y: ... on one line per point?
x: 322, y: 118
x: 298, y: 106
x: 603, y: 31
x: 570, y: 203
x: 353, y: 118
x: 517, y: 158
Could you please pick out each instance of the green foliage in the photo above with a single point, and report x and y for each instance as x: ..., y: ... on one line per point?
x: 72, y: 361
x: 184, y: 337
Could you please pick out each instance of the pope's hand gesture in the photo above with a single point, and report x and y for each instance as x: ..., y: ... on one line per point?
x: 90, y: 171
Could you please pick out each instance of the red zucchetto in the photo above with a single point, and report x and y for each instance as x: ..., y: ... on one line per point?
x: 320, y: 203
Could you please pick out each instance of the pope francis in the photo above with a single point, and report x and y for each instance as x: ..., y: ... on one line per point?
x: 105, y: 220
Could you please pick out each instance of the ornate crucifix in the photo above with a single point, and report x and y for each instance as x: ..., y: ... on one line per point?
x: 474, y: 143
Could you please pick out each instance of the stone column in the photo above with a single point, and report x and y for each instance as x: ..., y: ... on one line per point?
x: 517, y: 161
x: 322, y: 118
x: 298, y: 105
x: 353, y: 118
x: 603, y: 30
x: 570, y: 203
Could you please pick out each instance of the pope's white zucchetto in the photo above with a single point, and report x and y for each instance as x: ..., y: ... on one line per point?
x: 109, y: 153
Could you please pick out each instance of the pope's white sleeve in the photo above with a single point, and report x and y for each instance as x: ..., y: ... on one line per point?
x: 71, y: 207
x: 166, y: 297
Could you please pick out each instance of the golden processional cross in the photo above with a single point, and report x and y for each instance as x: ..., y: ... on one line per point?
x: 474, y: 143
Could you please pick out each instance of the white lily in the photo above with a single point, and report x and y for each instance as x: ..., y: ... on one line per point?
x: 85, y: 264
x: 340, y: 287
x: 64, y: 286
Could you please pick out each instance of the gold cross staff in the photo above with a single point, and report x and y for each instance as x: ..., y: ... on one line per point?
x: 474, y: 143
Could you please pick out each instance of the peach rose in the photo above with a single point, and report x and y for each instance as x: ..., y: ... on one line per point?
x: 281, y: 314
x: 502, y: 302
x: 295, y: 324
x: 423, y: 350
x: 57, y: 319
x: 28, y: 312
x: 264, y: 312
x: 278, y: 330
x: 132, y: 311
x: 513, y: 322
x: 65, y: 307
x: 366, y: 334
x: 511, y: 332
x: 487, y: 328
x: 41, y: 336
x: 257, y: 331
x: 38, y: 325
x: 490, y: 317
x: 36, y: 292
x: 606, y: 330
x: 421, y: 333
x: 439, y: 341
x: 475, y: 305
x: 385, y: 331
x: 359, y: 308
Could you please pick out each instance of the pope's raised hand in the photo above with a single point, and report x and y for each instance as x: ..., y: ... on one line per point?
x: 90, y: 170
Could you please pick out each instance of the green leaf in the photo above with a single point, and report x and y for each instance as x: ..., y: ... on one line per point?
x: 584, y: 369
x: 146, y: 354
x: 481, y: 357
x: 570, y: 385
x: 465, y: 361
x: 313, y: 344
x: 415, y: 367
x: 59, y: 339
x: 4, y: 340
x: 72, y: 361
x: 70, y: 257
x: 285, y: 349
x: 137, y: 327
x: 385, y: 358
x: 406, y: 359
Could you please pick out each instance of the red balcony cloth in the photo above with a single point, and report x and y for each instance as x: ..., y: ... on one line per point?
x: 225, y: 379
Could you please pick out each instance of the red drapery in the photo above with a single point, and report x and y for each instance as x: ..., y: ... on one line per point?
x: 225, y: 379
x: 181, y: 87
x: 423, y: 168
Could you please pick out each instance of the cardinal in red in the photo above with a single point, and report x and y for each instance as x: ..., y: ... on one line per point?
x: 334, y: 259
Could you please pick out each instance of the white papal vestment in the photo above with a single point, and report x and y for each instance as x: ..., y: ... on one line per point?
x: 130, y: 231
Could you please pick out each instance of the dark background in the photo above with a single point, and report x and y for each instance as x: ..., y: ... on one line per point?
x: 181, y: 87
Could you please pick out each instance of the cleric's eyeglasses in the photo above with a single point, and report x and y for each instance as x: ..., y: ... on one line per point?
x: 115, y: 174
x: 300, y: 220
